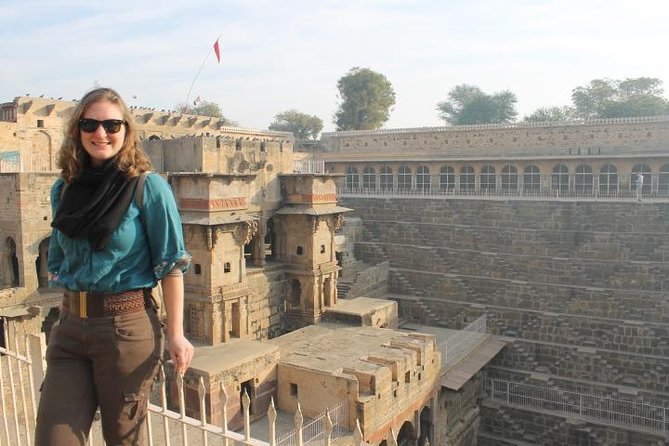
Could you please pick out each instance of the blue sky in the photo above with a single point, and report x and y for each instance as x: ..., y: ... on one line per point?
x: 278, y: 55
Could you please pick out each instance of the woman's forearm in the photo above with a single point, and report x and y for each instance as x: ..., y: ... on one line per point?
x: 173, y: 299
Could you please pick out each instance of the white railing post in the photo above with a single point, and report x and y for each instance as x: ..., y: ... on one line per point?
x: 392, y: 438
x: 12, y: 386
x: 182, y: 407
x: 224, y: 413
x: 37, y: 353
x: 246, y: 404
x: 203, y: 409
x: 163, y: 404
x: 271, y: 417
x: 357, y: 434
x: 327, y: 424
x: 3, y: 402
x: 30, y: 419
x: 299, y: 419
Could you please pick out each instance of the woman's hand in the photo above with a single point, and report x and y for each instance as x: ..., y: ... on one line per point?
x: 181, y: 352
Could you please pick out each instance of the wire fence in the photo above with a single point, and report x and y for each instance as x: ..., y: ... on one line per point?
x: 453, y: 348
x: 617, y: 411
x: 516, y: 193
x: 332, y: 423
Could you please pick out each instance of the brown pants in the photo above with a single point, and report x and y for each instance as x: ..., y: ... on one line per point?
x: 108, y: 362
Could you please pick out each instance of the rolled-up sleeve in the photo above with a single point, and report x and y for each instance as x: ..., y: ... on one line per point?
x: 163, y: 227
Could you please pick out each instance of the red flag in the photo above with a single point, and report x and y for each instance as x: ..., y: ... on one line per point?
x: 217, y: 50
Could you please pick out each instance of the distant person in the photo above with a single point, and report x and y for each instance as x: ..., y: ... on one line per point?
x: 108, y: 250
x: 639, y: 186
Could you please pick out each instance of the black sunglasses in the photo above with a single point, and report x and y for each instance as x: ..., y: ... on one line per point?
x: 110, y: 125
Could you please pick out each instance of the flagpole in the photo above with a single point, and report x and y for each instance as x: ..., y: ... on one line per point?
x: 211, y: 48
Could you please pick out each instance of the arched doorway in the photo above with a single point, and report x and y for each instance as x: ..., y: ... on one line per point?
x: 426, y: 428
x: 407, y: 435
x: 327, y: 292
x: 41, y: 263
x: 13, y: 262
x: 270, y: 241
x: 295, y: 293
x: 41, y: 153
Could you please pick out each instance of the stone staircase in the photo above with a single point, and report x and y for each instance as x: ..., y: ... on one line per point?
x: 343, y: 287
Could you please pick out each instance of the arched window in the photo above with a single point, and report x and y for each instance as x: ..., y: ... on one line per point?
x: 423, y: 178
x: 608, y: 179
x: 447, y: 178
x: 404, y: 178
x: 531, y: 179
x: 352, y: 179
x: 369, y: 178
x: 467, y: 178
x: 488, y: 178
x: 560, y: 178
x: 386, y: 178
x: 509, y: 178
x: 583, y: 179
x: 644, y: 170
x: 663, y: 181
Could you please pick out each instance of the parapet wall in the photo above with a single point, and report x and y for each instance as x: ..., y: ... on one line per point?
x: 33, y: 126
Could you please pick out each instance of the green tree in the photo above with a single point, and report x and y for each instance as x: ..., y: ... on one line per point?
x: 551, y: 114
x: 367, y: 98
x: 206, y: 108
x: 302, y: 126
x: 610, y: 98
x: 468, y: 104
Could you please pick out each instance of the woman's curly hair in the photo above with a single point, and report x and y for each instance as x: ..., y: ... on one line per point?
x: 72, y: 158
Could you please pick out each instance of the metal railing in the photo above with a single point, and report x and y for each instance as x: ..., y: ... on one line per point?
x: 10, y: 162
x: 457, y: 345
x: 20, y: 373
x: 617, y: 411
x: 517, y: 193
x: 17, y: 392
x: 308, y: 166
x: 329, y: 424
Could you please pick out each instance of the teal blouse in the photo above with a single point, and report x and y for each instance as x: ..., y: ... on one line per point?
x: 138, y: 254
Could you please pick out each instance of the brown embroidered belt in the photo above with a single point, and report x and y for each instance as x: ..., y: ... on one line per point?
x: 98, y: 304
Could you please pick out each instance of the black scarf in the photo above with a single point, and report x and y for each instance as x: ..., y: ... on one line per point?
x: 94, y: 203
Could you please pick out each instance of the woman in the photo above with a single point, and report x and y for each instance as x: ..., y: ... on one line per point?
x: 107, y: 253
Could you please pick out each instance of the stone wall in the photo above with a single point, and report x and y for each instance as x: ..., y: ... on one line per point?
x: 578, y: 289
x: 25, y: 217
x: 211, y: 320
x: 458, y: 414
x: 605, y: 137
x: 371, y: 281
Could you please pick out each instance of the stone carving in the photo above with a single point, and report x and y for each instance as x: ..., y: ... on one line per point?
x: 245, y: 231
x: 339, y: 222
x: 314, y: 220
